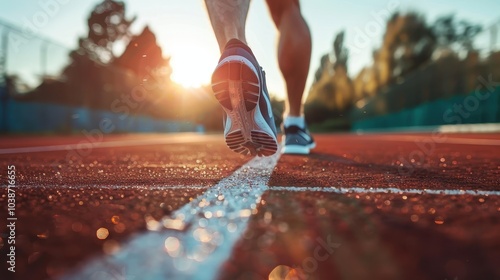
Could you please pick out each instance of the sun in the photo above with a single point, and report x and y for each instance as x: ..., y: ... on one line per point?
x: 192, y: 66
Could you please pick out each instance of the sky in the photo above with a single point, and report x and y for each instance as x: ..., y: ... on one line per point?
x: 184, y: 32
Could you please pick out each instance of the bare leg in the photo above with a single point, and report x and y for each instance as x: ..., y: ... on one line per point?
x: 294, y: 50
x: 228, y: 19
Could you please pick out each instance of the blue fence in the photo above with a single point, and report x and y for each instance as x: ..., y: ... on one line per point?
x: 473, y: 108
x: 26, y: 117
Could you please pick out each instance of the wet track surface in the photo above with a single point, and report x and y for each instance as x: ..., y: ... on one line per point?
x: 78, y: 201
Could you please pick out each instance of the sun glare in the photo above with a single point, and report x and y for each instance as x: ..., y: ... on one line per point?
x: 192, y: 66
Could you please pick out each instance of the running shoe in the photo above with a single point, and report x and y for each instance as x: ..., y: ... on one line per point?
x: 239, y: 84
x: 297, y: 140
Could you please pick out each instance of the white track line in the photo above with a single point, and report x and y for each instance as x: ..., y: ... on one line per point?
x: 199, y: 236
x: 85, y: 144
x: 446, y: 140
x: 467, y: 141
x: 383, y: 190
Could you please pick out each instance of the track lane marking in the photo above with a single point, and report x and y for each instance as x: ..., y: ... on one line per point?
x: 341, y: 190
x: 109, y: 144
x: 196, y: 240
x: 445, y: 140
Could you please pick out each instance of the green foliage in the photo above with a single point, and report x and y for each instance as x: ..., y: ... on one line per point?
x: 449, y: 31
x: 408, y: 43
x: 408, y: 46
x: 332, y: 90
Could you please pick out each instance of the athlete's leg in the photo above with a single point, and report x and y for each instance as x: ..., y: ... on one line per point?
x: 294, y: 50
x: 239, y: 83
x: 228, y: 19
x: 294, y: 55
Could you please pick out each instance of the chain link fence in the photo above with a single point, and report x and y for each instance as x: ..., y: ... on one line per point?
x: 488, y: 41
x: 27, y: 59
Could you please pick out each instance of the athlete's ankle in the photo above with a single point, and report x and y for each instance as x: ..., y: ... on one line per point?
x: 294, y: 120
x: 234, y: 42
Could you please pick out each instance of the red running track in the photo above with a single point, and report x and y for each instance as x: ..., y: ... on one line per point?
x: 70, y: 187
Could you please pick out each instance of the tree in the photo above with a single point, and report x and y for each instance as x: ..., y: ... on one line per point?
x: 332, y: 89
x: 408, y: 43
x: 341, y: 53
x: 324, y: 64
x: 143, y: 55
x: 449, y: 31
x: 107, y: 25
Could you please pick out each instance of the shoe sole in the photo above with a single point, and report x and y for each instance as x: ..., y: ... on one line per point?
x: 297, y: 149
x: 236, y: 86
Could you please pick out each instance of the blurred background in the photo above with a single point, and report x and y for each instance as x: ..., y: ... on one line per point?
x: 144, y: 66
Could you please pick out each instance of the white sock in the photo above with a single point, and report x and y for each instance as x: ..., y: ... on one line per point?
x: 298, y: 121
